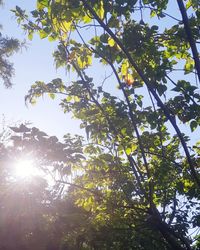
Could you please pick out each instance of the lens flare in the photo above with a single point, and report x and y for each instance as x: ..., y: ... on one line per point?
x: 25, y: 168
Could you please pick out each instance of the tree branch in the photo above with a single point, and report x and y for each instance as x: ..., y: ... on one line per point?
x: 190, y: 36
x: 151, y: 89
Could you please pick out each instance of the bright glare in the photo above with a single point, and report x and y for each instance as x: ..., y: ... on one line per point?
x: 25, y: 168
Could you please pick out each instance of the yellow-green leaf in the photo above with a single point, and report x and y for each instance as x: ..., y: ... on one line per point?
x: 41, y: 4
x: 134, y: 147
x: 52, y: 95
x: 76, y: 99
x: 65, y: 26
x: 124, y: 68
x: 128, y: 151
x: 30, y: 36
x: 188, y: 4
x: 81, y: 62
x: 100, y: 10
x: 189, y: 66
x: 87, y: 19
x: 111, y: 42
x: 42, y: 34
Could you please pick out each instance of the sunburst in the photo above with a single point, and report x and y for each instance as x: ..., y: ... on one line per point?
x: 25, y: 168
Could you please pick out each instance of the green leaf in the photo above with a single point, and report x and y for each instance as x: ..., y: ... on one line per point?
x: 104, y: 38
x: 124, y: 131
x: 52, y: 96
x: 134, y: 147
x: 65, y: 26
x: 161, y: 89
x: 43, y: 34
x: 124, y: 68
x: 76, y: 99
x: 30, y: 36
x: 100, y: 9
x: 189, y: 65
x: 89, y: 60
x: 193, y: 125
x: 87, y: 19
x: 41, y: 4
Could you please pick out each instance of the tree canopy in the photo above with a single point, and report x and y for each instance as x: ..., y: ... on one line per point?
x: 8, y: 46
x: 133, y: 182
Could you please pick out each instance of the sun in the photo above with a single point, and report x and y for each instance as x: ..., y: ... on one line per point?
x: 25, y: 168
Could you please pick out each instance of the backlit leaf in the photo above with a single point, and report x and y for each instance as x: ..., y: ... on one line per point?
x: 111, y: 42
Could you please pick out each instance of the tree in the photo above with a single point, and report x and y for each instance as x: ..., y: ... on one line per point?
x: 8, y: 46
x: 137, y: 166
x: 34, y: 214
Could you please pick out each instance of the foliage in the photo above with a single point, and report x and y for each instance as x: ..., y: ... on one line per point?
x: 136, y: 172
x: 8, y: 46
x: 32, y: 209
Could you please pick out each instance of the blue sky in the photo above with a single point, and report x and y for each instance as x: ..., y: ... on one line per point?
x: 31, y: 64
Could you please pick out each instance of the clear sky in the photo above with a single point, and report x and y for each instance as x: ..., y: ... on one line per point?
x: 31, y: 64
